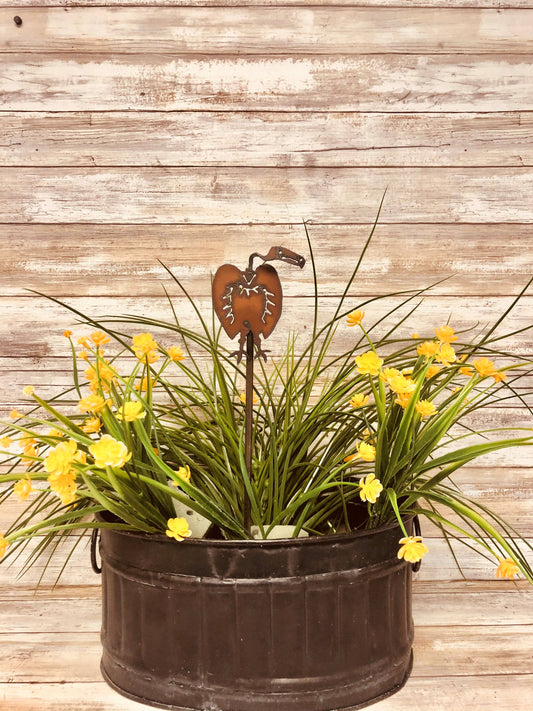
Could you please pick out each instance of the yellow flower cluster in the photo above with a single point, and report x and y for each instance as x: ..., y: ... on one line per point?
x: 412, y: 549
x: 365, y: 451
x: 109, y: 452
x: 358, y: 400
x: 145, y: 347
x: 355, y: 317
x: 371, y: 488
x: 178, y: 528
x: 368, y: 363
x: 3, y: 545
x: 425, y: 408
x: 100, y: 375
x: 131, y: 411
x: 93, y: 403
x: 62, y: 474
x: 22, y: 489
x: 242, y: 398
x: 507, y: 568
x: 175, y: 353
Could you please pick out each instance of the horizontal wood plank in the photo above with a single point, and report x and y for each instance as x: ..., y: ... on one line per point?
x: 267, y: 30
x: 484, y: 693
x: 498, y: 82
x: 121, y: 260
x: 269, y: 139
x: 33, y: 327
x: 499, y: 4
x: 265, y: 195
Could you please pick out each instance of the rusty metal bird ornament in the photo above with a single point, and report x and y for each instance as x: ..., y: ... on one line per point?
x: 249, y: 301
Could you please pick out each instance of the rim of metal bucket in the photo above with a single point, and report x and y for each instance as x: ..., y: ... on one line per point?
x: 269, y: 542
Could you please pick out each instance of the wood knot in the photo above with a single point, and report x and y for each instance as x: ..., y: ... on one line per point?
x: 17, y: 20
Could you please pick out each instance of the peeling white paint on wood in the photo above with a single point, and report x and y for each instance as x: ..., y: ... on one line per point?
x: 268, y: 139
x: 269, y: 195
x: 258, y: 30
x: 498, y: 82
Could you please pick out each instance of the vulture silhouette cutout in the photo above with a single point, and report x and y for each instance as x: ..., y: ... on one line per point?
x: 249, y: 300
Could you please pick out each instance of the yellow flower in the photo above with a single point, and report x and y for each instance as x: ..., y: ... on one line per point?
x: 415, y: 335
x: 178, y: 528
x: 67, y: 333
x: 368, y: 363
x: 388, y: 373
x: 498, y: 376
x: 371, y: 488
x: 400, y: 385
x: 143, y: 384
x: 55, y: 433
x: 427, y: 349
x: 366, y: 451
x: 30, y: 452
x: 466, y: 370
x: 484, y: 367
x: 432, y: 370
x: 242, y: 398
x: 28, y: 390
x: 3, y: 545
x: 175, y: 353
x: 83, y: 355
x: 64, y: 485
x: 359, y: 400
x: 143, y: 344
x: 93, y: 403
x: 412, y: 549
x: 109, y: 452
x: 507, y: 568
x: 60, y: 458
x: 84, y: 341
x: 445, y: 354
x: 355, y: 318
x: 403, y: 399
x: 100, y: 371
x: 15, y: 414
x: 6, y: 442
x: 183, y: 473
x: 99, y: 338
x: 425, y: 408
x: 131, y: 411
x: 445, y: 334
x: 91, y: 425
x: 23, y: 489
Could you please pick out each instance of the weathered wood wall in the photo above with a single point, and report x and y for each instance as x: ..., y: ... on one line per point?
x: 194, y: 132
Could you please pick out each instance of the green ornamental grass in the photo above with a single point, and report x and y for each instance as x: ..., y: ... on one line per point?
x: 340, y: 442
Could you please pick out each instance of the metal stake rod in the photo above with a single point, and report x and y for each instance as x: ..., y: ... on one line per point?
x: 248, y: 302
x: 248, y: 415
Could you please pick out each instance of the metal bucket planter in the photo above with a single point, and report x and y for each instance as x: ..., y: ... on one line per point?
x: 305, y: 624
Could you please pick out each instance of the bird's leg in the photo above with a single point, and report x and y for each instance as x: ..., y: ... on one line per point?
x: 242, y: 347
x: 259, y: 352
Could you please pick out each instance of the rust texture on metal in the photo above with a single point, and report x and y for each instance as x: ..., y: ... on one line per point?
x: 249, y: 300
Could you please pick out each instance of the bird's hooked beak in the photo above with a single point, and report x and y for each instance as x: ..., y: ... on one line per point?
x: 285, y: 255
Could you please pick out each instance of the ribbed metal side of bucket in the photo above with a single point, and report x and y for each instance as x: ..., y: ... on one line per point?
x: 210, y: 640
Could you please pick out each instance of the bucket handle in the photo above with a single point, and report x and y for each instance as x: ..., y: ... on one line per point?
x: 95, y: 535
x: 418, y: 532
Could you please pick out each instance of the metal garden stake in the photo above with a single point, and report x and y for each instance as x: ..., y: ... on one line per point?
x: 248, y: 303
